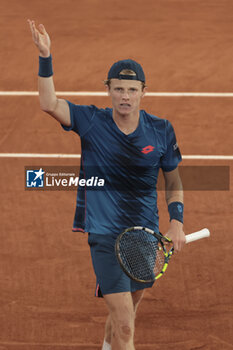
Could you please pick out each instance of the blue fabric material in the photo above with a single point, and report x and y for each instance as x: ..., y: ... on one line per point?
x: 45, y: 67
x: 129, y: 165
x: 176, y: 211
x: 115, y: 70
x: 110, y: 278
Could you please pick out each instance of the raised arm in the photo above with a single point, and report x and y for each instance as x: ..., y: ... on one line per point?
x: 49, y: 103
x: 174, y: 199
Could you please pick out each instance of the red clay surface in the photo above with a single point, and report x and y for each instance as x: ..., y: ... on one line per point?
x: 46, y: 279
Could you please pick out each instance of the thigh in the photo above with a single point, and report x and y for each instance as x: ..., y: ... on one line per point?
x: 137, y: 297
x: 120, y: 305
x: 122, y: 302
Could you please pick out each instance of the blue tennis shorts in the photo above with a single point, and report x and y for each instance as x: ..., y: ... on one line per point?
x: 110, y: 278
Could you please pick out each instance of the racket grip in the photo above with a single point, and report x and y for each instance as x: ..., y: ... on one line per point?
x: 197, y: 235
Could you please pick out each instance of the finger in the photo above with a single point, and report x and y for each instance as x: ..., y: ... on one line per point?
x: 33, y: 26
x: 36, y: 36
x: 30, y: 24
x: 35, y: 31
x: 42, y: 29
x: 182, y: 241
x: 176, y: 245
x: 180, y: 245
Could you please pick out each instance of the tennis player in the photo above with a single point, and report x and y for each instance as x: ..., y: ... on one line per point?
x: 126, y: 147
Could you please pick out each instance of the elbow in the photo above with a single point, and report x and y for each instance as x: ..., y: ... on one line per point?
x: 48, y: 107
x: 45, y: 109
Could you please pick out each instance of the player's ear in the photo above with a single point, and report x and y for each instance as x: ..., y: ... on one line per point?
x: 107, y: 86
x: 144, y: 90
x: 108, y: 89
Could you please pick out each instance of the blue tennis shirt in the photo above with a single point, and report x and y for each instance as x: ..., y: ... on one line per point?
x: 127, y: 164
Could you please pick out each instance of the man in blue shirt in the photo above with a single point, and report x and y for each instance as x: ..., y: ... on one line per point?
x: 124, y: 147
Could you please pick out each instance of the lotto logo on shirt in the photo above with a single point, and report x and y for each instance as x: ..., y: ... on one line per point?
x: 148, y: 149
x: 35, y: 178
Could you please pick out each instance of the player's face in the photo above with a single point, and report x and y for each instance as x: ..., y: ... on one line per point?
x: 126, y: 96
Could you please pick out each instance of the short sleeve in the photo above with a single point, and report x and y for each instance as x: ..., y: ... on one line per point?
x: 172, y: 157
x: 81, y: 118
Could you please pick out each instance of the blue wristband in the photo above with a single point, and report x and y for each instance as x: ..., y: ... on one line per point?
x: 45, y: 67
x: 176, y: 211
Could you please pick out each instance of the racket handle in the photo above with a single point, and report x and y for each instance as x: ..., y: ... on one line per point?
x: 197, y: 235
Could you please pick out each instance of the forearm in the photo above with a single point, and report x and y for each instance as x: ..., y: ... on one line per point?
x: 174, y: 192
x: 47, y: 95
x: 174, y: 199
x: 49, y: 103
x: 174, y: 196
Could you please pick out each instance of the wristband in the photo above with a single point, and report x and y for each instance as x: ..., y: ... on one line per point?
x: 45, y: 67
x: 176, y: 211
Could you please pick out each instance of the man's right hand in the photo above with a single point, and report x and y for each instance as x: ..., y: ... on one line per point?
x: 40, y: 38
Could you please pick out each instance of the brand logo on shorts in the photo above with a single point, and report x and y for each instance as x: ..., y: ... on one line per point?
x: 147, y: 149
x: 35, y: 178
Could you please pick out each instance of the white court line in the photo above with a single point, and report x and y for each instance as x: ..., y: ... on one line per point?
x: 38, y: 155
x: 99, y: 93
x: 217, y: 157
x: 54, y: 155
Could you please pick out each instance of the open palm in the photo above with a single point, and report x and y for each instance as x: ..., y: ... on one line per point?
x: 40, y: 38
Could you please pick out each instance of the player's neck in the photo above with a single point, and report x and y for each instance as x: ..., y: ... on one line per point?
x: 127, y: 123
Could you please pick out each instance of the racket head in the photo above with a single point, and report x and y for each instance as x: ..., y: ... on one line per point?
x: 143, y: 254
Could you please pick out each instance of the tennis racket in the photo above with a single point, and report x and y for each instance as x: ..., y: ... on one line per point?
x: 144, y: 254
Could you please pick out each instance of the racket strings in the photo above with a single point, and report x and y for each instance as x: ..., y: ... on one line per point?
x: 142, y: 255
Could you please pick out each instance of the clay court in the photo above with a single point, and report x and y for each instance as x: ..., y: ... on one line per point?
x: 46, y: 279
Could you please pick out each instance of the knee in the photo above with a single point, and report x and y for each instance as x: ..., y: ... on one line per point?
x: 126, y: 332
x: 124, y: 328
